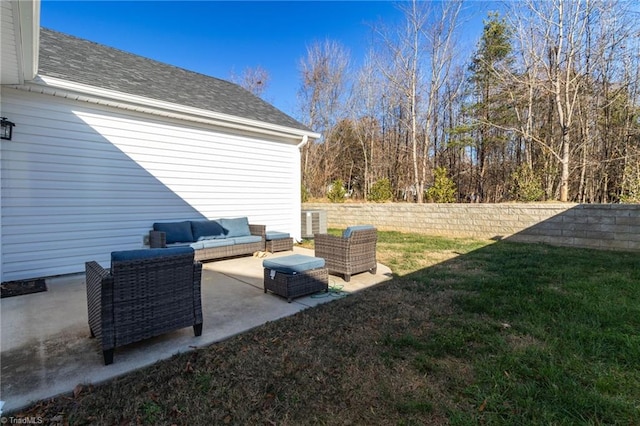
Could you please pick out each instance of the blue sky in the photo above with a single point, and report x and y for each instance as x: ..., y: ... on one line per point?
x: 221, y: 38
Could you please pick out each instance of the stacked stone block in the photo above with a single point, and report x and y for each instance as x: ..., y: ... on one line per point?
x: 601, y: 226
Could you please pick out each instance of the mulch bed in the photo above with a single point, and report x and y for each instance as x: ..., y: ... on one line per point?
x: 18, y: 288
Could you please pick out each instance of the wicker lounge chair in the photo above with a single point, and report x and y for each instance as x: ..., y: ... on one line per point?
x: 147, y: 293
x: 353, y: 252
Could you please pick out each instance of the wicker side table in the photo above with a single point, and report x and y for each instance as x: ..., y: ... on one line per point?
x: 282, y: 244
x: 288, y: 277
x: 278, y: 241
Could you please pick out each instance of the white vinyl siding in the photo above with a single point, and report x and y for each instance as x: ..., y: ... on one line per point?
x: 81, y: 180
x: 10, y: 70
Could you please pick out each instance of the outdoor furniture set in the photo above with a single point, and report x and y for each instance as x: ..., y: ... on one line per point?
x: 297, y: 275
x: 150, y: 292
x: 210, y: 239
x: 215, y: 239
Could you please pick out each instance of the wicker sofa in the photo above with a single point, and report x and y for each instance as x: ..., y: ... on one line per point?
x: 146, y: 293
x: 211, y: 239
x: 351, y: 253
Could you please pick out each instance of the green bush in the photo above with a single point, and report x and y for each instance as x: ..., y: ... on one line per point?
x: 443, y: 189
x: 526, y: 185
x: 304, y: 194
x: 337, y: 192
x: 381, y: 191
x: 631, y: 184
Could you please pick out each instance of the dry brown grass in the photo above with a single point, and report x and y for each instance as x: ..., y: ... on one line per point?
x: 336, y: 364
x: 468, y: 339
x: 340, y: 363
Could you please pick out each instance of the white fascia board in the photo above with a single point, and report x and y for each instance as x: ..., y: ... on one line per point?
x: 27, y: 26
x: 73, y: 90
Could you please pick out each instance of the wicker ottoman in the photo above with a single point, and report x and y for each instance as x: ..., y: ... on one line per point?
x: 278, y: 241
x: 294, y: 276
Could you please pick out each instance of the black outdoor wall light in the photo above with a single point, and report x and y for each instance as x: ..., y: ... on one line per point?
x: 6, y: 128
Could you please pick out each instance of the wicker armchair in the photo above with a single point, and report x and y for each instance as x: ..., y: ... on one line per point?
x: 353, y: 252
x: 147, y: 293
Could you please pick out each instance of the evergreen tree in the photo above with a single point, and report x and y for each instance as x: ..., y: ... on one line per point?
x: 443, y: 189
x: 494, y: 54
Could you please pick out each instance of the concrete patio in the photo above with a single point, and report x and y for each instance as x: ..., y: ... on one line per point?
x: 46, y: 349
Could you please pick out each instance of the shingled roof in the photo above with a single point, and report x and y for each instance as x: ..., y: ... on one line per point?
x: 73, y: 59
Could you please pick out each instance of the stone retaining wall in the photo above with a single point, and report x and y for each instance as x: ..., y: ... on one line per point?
x: 603, y: 226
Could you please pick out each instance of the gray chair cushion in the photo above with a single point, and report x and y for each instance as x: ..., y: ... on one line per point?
x: 347, y: 232
x: 219, y: 242
x: 276, y: 235
x: 236, y: 227
x: 121, y: 256
x: 293, y: 264
x: 247, y: 239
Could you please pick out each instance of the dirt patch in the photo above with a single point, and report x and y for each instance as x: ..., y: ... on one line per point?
x: 519, y: 342
x: 19, y: 288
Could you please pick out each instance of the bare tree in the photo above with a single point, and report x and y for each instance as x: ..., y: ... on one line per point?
x: 441, y: 40
x: 365, y: 103
x: 567, y: 88
x: 554, y: 34
x: 403, y: 69
x: 255, y: 80
x: 553, y: 108
x: 419, y: 58
x: 321, y: 101
x: 630, y: 190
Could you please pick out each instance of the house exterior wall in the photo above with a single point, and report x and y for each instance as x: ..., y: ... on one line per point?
x: 80, y: 180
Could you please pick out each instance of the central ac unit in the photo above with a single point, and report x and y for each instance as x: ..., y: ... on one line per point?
x: 313, y: 222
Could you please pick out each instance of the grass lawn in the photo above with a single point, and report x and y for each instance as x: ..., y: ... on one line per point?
x: 468, y: 332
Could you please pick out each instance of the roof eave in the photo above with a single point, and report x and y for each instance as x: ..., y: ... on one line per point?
x: 30, y: 33
x: 20, y: 41
x: 82, y: 92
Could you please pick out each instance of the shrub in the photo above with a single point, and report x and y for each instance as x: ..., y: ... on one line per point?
x: 337, y: 192
x: 631, y: 184
x: 443, y: 189
x: 526, y: 185
x: 304, y: 194
x: 381, y: 191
